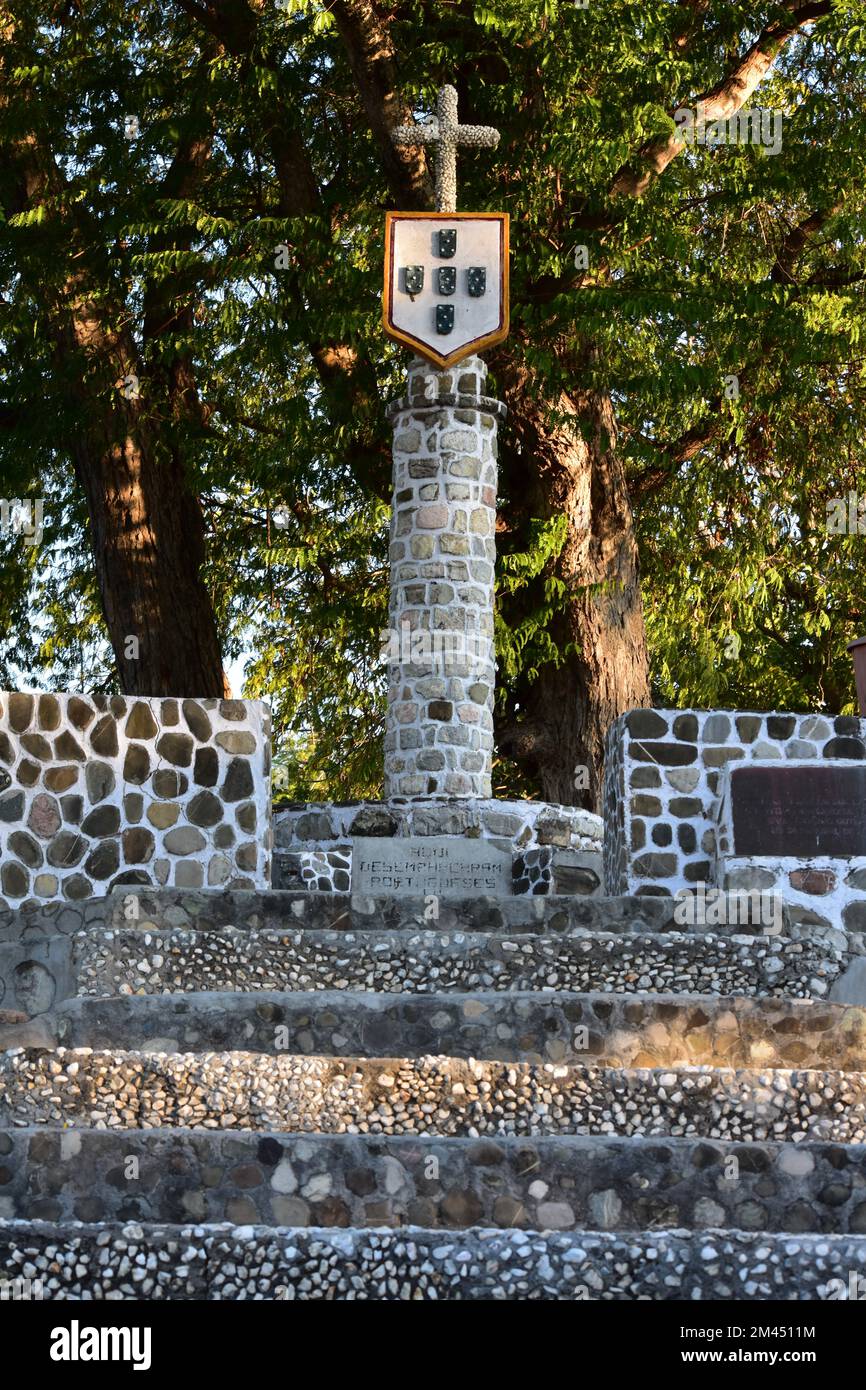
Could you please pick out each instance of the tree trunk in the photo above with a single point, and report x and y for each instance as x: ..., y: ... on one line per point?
x: 147, y: 529
x: 554, y: 726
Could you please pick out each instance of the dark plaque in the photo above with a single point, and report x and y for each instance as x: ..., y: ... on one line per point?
x: 799, y: 812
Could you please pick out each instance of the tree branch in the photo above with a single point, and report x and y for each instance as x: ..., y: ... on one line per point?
x: 372, y: 59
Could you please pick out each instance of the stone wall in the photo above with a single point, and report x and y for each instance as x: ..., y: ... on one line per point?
x: 823, y: 892
x: 663, y: 784
x: 192, y: 940
x: 227, y: 1263
x: 99, y: 791
x: 441, y: 673
x: 602, y: 1029
x: 548, y: 1183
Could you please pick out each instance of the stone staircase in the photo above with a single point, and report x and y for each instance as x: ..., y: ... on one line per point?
x: 238, y: 1095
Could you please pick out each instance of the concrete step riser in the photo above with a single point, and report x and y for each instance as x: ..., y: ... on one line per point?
x: 203, y: 1262
x: 159, y: 962
x: 206, y: 910
x: 437, y: 1096
x: 561, y: 1184
x: 609, y: 1029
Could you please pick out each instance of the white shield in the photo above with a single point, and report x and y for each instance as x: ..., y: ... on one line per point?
x: 466, y: 322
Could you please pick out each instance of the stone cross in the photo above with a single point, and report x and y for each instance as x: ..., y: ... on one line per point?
x: 446, y: 133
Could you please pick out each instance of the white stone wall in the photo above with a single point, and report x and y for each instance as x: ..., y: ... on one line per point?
x: 664, y: 777
x: 441, y: 671
x: 99, y: 791
x: 823, y: 891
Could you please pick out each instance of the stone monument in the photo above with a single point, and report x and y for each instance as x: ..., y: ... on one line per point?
x: 445, y: 297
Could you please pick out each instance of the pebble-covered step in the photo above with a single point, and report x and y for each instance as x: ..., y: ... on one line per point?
x: 138, y: 1262
x: 204, y: 910
x: 556, y: 1026
x: 427, y: 1095
x: 424, y: 962
x: 322, y: 1180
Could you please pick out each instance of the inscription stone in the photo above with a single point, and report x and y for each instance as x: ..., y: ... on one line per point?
x: 430, y: 865
x: 799, y: 812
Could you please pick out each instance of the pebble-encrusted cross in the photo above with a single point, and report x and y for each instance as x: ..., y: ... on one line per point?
x: 446, y: 133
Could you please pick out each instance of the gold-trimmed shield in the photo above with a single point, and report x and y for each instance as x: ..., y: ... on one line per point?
x: 440, y: 323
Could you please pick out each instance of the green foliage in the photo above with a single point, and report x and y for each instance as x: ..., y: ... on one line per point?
x: 680, y: 293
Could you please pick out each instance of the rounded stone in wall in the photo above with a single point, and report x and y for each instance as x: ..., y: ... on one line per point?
x: 68, y: 747
x: 845, y: 748
x: 206, y: 768
x: 185, y: 839
x: 20, y: 712
x: 176, y: 748
x: 205, y: 809
x: 66, y: 848
x: 100, y: 780
x: 60, y: 779
x: 72, y: 808
x: 197, y: 720
x: 45, y: 818
x: 25, y: 848
x: 218, y: 870
x: 33, y: 986
x: 133, y: 877
x: 233, y: 709
x: 14, y: 880
x: 104, y: 860
x: 79, y: 712
x: 77, y: 887
x: 237, y: 741
x: 5, y: 781
x: 28, y: 773
x: 141, y: 723
x: 49, y: 712
x: 136, y: 764
x: 246, y: 856
x: 104, y: 820
x: 168, y: 784
x: 138, y: 845
x: 238, y: 782
x: 103, y: 739
x: 163, y: 814
x: 189, y: 874
x: 11, y: 807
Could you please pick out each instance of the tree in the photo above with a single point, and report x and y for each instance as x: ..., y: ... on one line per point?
x: 191, y: 326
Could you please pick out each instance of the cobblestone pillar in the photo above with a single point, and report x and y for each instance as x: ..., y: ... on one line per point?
x: 440, y: 654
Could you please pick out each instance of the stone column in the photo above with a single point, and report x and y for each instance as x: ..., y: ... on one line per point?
x: 441, y: 661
